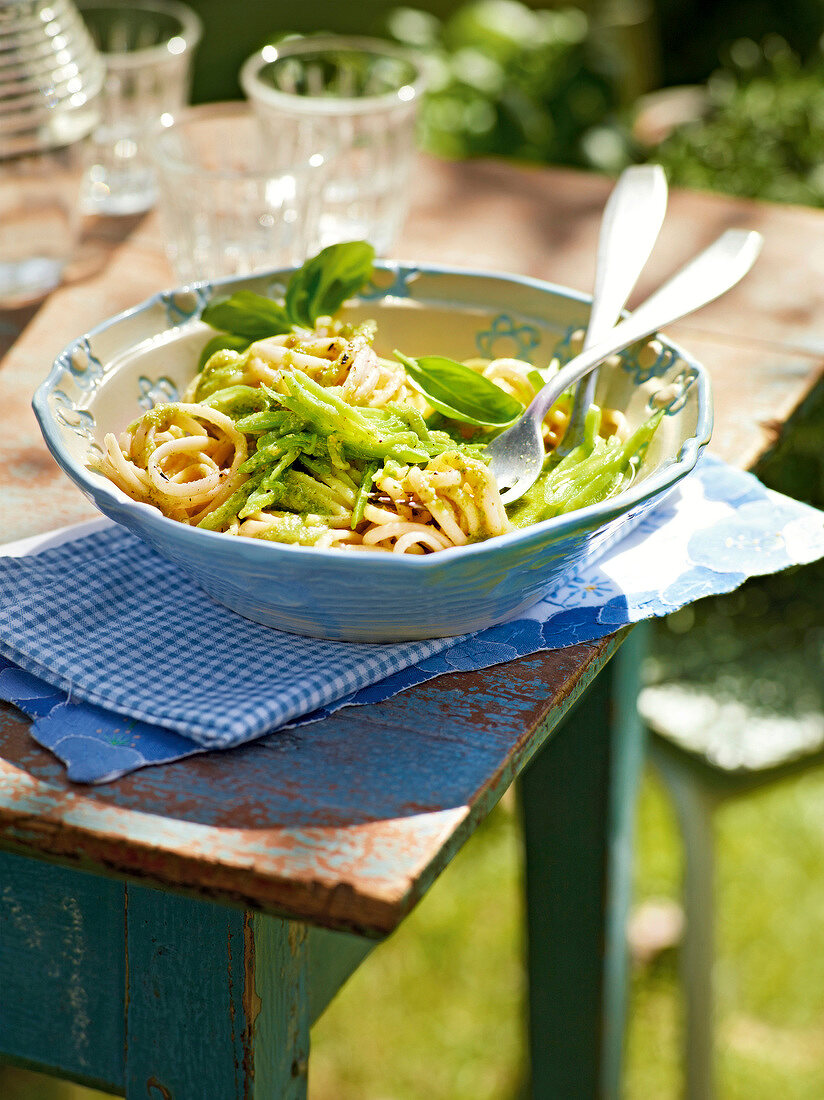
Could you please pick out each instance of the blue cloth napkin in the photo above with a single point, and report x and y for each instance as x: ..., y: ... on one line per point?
x: 113, y: 653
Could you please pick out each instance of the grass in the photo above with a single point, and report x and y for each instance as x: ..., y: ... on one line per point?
x: 437, y: 1010
x: 770, y: 969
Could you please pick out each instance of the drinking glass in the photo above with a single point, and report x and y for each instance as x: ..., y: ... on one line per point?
x: 50, y: 80
x: 225, y: 208
x: 148, y: 47
x: 350, y: 103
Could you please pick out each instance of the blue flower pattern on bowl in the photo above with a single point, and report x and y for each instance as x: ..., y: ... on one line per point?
x: 183, y: 305
x: 80, y: 421
x: 631, y: 363
x: 400, y: 279
x: 524, y: 337
x: 83, y: 365
x: 563, y: 349
x: 673, y: 397
x: 630, y: 358
x: 82, y: 369
x: 155, y: 393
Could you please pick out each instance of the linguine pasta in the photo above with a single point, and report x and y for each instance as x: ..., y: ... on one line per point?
x: 311, y: 438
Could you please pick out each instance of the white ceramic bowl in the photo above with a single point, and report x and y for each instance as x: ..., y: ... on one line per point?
x: 103, y: 380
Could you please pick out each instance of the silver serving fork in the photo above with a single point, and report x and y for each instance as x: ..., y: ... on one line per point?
x: 516, y: 456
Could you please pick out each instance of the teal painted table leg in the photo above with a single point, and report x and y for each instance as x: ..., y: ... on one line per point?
x: 149, y: 994
x: 62, y: 971
x: 578, y: 803
x: 217, y: 1002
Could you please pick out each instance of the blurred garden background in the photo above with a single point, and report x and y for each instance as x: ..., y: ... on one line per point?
x: 728, y: 95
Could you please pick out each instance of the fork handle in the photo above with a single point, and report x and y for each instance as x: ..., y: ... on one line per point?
x: 702, y: 280
x: 630, y: 226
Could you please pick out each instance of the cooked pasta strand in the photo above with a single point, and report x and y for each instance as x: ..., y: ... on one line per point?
x: 311, y: 438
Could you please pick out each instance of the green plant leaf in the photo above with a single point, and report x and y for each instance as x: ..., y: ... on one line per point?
x: 459, y: 392
x: 324, y: 282
x: 247, y: 314
x: 317, y: 289
x: 221, y: 342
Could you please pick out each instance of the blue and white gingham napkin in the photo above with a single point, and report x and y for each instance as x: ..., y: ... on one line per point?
x: 114, y: 653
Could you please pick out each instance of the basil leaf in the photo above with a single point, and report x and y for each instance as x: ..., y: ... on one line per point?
x: 317, y: 289
x: 247, y: 314
x: 324, y: 282
x: 459, y: 392
x: 219, y: 343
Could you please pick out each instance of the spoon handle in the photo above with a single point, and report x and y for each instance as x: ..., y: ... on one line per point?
x: 632, y: 220
x: 702, y: 280
x: 630, y: 226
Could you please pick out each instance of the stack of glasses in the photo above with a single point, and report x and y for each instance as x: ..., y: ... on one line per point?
x: 50, y: 81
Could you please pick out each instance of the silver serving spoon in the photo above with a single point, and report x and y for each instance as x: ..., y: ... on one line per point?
x: 516, y: 457
x: 631, y: 222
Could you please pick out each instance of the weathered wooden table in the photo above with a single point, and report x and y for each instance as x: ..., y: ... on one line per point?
x: 174, y: 934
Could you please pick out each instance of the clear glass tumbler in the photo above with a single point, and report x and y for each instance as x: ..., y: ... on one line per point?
x: 351, y: 103
x: 38, y: 222
x: 50, y: 81
x: 148, y: 47
x: 225, y: 210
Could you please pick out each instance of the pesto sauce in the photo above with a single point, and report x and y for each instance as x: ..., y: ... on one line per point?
x: 225, y: 368
x: 535, y: 504
x: 295, y: 496
x: 293, y: 530
x: 237, y: 401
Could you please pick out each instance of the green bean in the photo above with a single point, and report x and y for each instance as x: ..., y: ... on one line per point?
x: 266, y: 421
x: 231, y: 507
x: 273, y: 451
x: 274, y: 475
x: 358, y: 437
x: 259, y: 499
x: 327, y: 471
x: 591, y: 473
x: 363, y: 494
